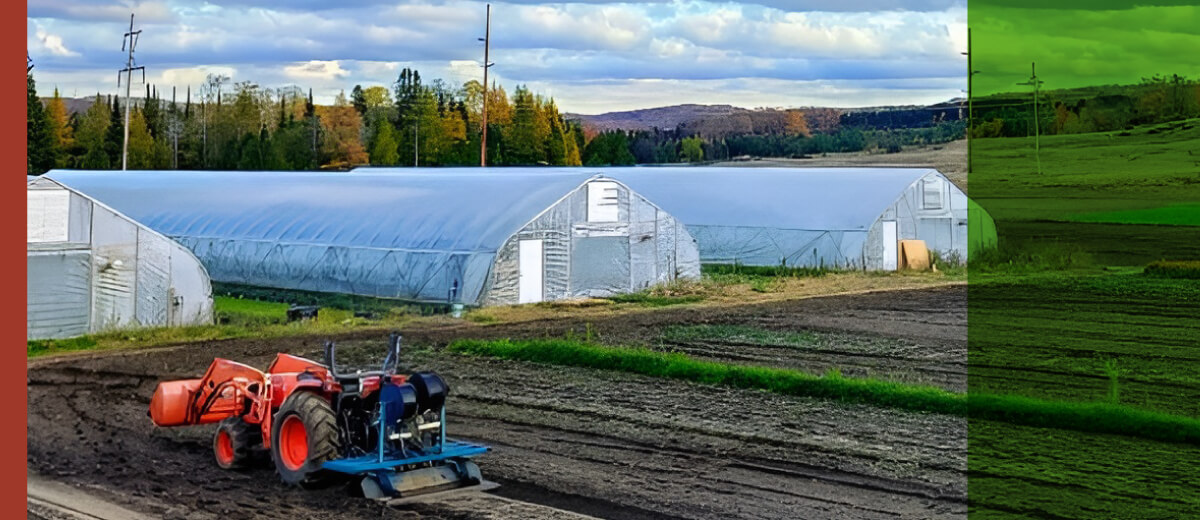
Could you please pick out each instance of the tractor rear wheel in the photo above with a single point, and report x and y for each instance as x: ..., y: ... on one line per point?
x: 304, y: 435
x: 234, y: 443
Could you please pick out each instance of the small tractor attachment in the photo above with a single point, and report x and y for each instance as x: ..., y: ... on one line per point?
x: 318, y: 422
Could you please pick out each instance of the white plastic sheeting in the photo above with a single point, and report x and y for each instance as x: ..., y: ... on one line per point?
x: 434, y: 235
x: 91, y: 269
x: 805, y: 216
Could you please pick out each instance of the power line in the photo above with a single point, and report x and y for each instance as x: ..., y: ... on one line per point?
x: 128, y: 42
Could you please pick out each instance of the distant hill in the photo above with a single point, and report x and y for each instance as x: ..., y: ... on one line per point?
x: 727, y: 119
x: 660, y: 117
x: 81, y: 104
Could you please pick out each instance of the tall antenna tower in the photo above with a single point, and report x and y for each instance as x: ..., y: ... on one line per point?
x: 128, y: 43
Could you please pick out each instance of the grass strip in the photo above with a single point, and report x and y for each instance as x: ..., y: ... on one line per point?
x: 1181, y: 269
x: 678, y: 366
x: 1079, y: 416
x: 765, y: 270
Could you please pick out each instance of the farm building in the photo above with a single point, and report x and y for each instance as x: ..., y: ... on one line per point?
x: 834, y: 217
x: 92, y: 269
x: 441, y: 235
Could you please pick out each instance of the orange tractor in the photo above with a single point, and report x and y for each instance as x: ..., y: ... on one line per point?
x: 319, y: 423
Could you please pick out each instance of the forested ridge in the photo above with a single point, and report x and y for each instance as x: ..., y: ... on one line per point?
x: 243, y: 126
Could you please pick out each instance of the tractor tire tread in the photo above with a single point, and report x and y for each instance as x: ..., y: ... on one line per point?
x: 245, y: 437
x: 324, y: 442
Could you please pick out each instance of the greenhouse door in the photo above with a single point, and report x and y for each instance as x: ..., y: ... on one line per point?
x: 529, y: 282
x: 890, y: 254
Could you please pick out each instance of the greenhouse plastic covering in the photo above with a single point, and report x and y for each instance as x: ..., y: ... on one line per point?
x: 430, y: 235
x: 92, y: 269
x: 769, y: 216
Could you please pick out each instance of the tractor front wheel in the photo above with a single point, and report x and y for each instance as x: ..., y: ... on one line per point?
x: 303, y: 436
x: 234, y: 443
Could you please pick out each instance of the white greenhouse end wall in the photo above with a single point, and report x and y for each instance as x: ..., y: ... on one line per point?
x: 931, y: 209
x: 91, y: 269
x: 601, y: 239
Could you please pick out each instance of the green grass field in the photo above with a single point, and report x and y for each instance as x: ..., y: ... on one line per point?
x: 1064, y: 312
x: 1172, y: 215
x: 236, y: 318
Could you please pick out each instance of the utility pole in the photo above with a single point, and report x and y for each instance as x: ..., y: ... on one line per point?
x: 487, y: 37
x: 970, y: 99
x: 129, y: 41
x: 1037, y: 139
x: 416, y: 141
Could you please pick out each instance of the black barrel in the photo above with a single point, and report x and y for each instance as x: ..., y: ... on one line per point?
x: 431, y: 390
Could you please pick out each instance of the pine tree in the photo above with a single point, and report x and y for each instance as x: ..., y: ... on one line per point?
x: 90, y: 133
x: 358, y: 100
x: 141, y: 144
x: 42, y: 154
x: 384, y: 147
x: 115, y: 138
x: 525, y: 145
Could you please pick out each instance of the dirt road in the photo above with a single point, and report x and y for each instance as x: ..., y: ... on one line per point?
x: 566, y: 441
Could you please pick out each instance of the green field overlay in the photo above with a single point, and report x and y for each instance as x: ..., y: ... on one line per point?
x: 1173, y: 215
x: 1088, y: 297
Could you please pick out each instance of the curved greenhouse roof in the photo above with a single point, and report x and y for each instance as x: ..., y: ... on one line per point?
x: 428, y: 235
x: 445, y: 210
x: 843, y: 217
x: 826, y: 199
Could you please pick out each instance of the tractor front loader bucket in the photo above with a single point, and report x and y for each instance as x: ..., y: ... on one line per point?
x: 221, y: 393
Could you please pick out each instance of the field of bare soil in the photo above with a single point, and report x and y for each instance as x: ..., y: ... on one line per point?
x: 572, y: 442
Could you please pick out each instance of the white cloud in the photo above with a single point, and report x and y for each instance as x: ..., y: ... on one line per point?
x: 316, y: 69
x: 52, y: 43
x: 670, y: 47
x: 564, y: 46
x: 190, y: 75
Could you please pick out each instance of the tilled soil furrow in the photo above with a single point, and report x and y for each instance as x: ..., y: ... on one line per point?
x: 599, y: 443
x: 948, y: 375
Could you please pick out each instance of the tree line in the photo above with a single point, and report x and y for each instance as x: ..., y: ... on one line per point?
x: 1156, y: 99
x: 247, y: 127
x: 687, y: 143
x: 225, y: 125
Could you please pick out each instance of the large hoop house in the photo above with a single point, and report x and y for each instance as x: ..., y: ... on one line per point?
x: 93, y: 269
x: 832, y: 217
x: 439, y: 235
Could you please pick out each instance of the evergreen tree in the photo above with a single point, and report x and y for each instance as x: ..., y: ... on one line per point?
x: 90, y: 133
x: 251, y: 158
x: 609, y: 149
x: 525, y: 145
x: 141, y: 144
x: 115, y: 138
x: 40, y: 141
x: 152, y: 112
x: 358, y: 100
x: 384, y: 147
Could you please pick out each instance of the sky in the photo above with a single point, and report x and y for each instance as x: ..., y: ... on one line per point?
x: 591, y: 56
x: 1078, y: 43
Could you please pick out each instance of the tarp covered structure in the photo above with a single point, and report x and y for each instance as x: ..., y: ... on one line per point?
x: 833, y: 217
x: 92, y: 269
x: 434, y: 235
